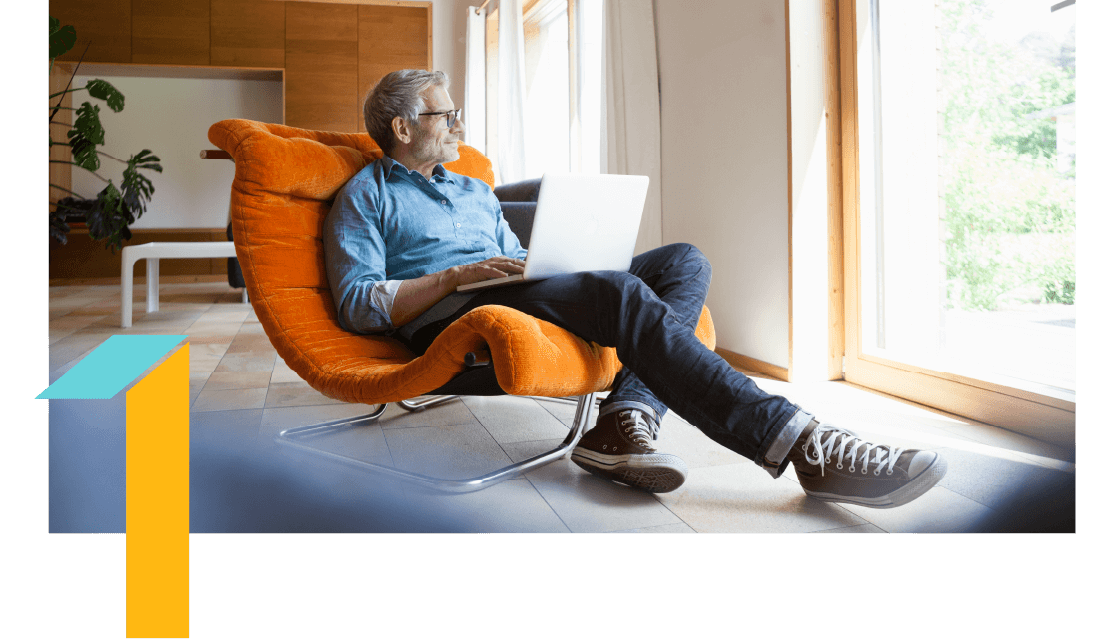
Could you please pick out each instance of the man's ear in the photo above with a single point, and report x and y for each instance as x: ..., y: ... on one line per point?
x: 401, y: 130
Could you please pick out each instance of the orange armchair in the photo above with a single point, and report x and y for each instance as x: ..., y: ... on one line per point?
x: 283, y: 188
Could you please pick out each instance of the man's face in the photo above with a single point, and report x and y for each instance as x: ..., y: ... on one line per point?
x: 433, y: 142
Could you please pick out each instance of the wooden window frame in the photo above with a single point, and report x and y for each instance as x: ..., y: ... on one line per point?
x: 1047, y: 415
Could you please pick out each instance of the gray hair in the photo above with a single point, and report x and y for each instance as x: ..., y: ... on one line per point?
x: 398, y: 94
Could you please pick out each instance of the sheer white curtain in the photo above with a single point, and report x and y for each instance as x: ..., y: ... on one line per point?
x: 511, y: 88
x: 631, y: 113
x: 474, y: 99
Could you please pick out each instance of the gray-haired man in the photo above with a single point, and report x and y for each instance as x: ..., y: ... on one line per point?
x: 405, y: 232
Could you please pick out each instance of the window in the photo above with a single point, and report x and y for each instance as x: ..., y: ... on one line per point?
x: 960, y: 238
x: 547, y: 76
x: 562, y: 84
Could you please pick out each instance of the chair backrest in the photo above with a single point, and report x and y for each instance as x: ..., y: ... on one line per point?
x: 284, y: 185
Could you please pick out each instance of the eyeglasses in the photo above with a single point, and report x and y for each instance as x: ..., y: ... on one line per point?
x: 452, y: 116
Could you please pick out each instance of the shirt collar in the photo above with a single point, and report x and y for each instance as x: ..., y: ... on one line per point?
x: 389, y: 163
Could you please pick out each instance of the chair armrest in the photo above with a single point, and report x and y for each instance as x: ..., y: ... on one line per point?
x: 526, y: 191
x: 520, y: 217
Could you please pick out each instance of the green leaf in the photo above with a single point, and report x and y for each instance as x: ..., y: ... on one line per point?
x: 84, y: 151
x: 87, y: 124
x: 145, y: 159
x: 105, y: 91
x: 62, y: 39
x: 109, y: 218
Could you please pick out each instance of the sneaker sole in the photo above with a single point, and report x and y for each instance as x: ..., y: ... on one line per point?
x: 921, y: 484
x: 655, y: 473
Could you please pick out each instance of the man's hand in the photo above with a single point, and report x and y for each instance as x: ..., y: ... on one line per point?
x: 496, y: 267
x: 416, y: 295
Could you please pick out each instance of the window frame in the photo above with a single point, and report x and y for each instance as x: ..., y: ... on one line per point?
x: 1043, y: 413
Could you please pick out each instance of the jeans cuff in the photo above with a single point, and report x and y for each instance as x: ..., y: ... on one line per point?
x: 775, y: 460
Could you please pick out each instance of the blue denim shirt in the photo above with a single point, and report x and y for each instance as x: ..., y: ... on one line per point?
x: 389, y: 224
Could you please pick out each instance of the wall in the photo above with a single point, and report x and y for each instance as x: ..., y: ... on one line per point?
x: 159, y: 116
x: 722, y: 69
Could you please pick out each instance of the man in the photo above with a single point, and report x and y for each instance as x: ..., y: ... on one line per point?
x: 405, y: 232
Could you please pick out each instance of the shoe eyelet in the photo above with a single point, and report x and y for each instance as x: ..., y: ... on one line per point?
x: 864, y: 471
x: 840, y: 466
x: 603, y: 447
x: 890, y: 472
x: 852, y: 469
x: 828, y: 460
x: 876, y: 472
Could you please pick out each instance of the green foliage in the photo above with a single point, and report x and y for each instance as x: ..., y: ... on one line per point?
x: 106, y: 92
x: 62, y: 39
x: 110, y: 214
x: 1010, y: 215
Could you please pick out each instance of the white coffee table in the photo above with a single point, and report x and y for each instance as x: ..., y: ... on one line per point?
x: 153, y: 253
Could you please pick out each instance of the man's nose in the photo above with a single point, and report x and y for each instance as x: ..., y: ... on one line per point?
x: 458, y: 127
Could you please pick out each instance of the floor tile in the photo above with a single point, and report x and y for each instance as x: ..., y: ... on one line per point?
x: 688, y: 443
x: 938, y: 510
x: 992, y: 481
x: 744, y: 498
x: 509, y: 506
x: 284, y: 374
x: 277, y: 419
x: 512, y: 418
x: 291, y: 394
x: 590, y: 504
x: 237, y: 380
x: 453, y: 412
x: 234, y: 399
x: 854, y: 529
x: 446, y: 452
x: 247, y: 363
x: 675, y: 528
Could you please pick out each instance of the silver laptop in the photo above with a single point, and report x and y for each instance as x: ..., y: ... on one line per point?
x: 583, y: 222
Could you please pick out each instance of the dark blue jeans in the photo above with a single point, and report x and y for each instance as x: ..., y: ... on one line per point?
x: 649, y: 314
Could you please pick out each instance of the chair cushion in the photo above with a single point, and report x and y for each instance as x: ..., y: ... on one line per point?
x: 282, y: 190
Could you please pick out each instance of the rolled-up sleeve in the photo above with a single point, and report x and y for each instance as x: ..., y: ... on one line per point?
x: 355, y: 262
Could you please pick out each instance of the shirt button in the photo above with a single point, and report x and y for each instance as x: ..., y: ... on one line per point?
x: 457, y: 225
x: 443, y: 202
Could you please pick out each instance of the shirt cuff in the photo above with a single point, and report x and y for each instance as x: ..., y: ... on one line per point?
x: 382, y: 298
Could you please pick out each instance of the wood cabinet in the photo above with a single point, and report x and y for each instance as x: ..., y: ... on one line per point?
x: 391, y: 38
x: 322, y: 68
x: 332, y: 53
x: 247, y: 33
x: 170, y: 32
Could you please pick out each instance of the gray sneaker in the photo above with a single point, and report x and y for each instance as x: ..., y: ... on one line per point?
x: 620, y: 447
x: 833, y: 464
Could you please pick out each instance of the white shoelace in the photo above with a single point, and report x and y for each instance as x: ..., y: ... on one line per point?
x: 826, y: 438
x: 637, y: 427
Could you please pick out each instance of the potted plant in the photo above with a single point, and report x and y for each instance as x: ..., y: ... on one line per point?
x: 112, y: 211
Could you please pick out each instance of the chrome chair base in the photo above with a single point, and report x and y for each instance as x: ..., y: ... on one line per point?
x: 298, y: 437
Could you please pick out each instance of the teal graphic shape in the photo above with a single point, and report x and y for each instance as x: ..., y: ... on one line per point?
x: 111, y: 366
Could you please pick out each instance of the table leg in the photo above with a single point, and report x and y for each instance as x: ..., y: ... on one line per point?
x: 127, y: 290
x: 152, y: 284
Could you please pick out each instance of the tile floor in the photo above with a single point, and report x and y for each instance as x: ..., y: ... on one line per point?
x: 242, y: 394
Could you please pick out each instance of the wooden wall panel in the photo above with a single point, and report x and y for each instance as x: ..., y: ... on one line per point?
x: 322, y: 73
x: 61, y: 175
x: 102, y: 25
x: 171, y: 32
x: 247, y: 33
x: 391, y: 38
